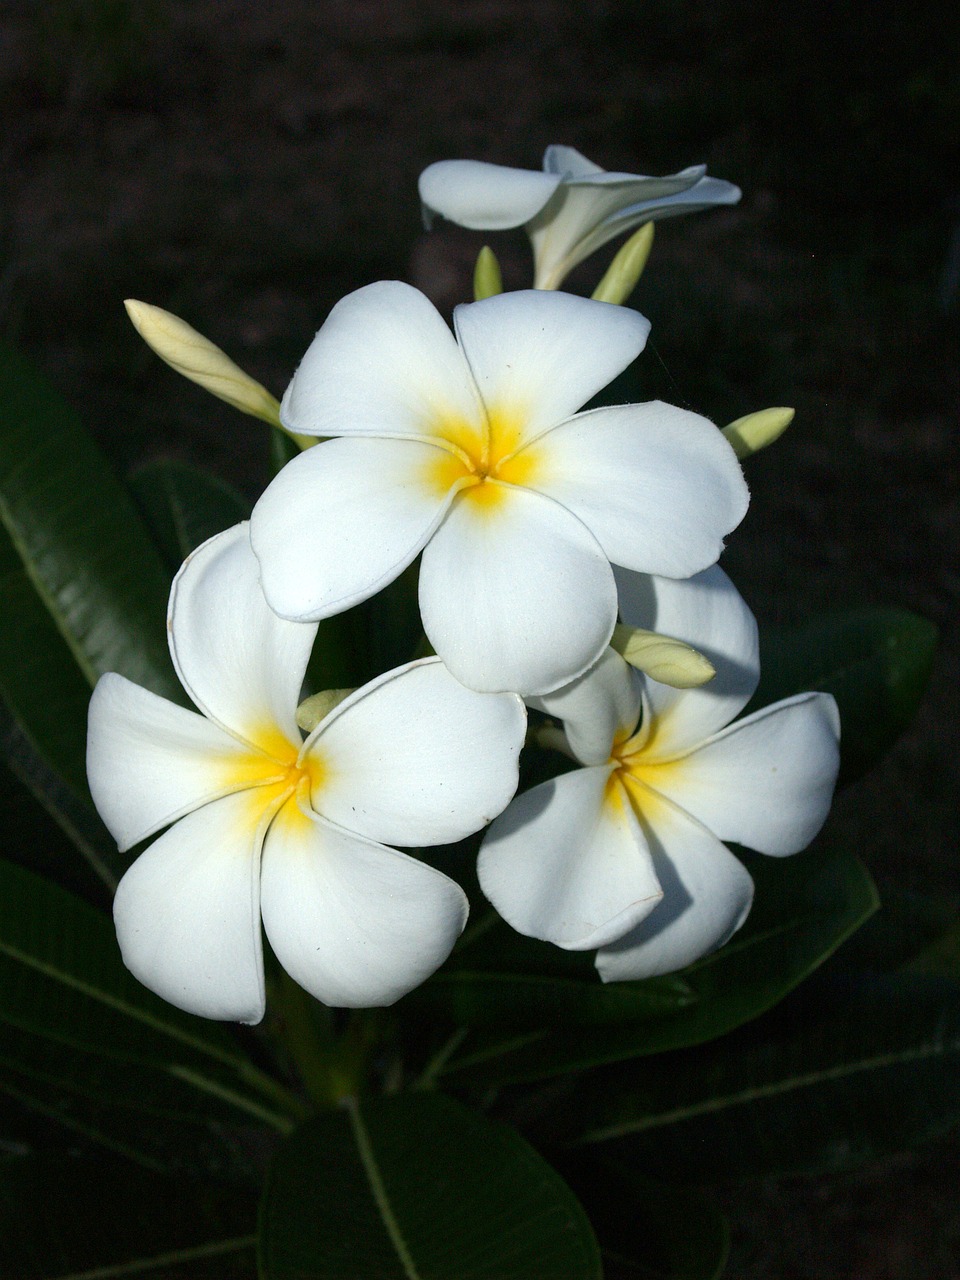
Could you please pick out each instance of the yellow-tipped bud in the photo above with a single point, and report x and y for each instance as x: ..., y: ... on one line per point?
x: 196, y: 358
x: 662, y: 658
x: 756, y: 430
x: 626, y: 268
x: 312, y: 710
x: 487, y: 279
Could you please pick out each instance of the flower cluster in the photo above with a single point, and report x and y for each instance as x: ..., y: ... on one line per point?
x: 537, y: 523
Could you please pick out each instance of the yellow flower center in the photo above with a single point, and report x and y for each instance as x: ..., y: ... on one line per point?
x: 480, y: 461
x: 636, y: 777
x: 274, y: 775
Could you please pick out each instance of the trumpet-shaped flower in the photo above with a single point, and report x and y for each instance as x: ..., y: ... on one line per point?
x: 470, y: 450
x: 569, y: 210
x: 626, y: 854
x: 261, y: 823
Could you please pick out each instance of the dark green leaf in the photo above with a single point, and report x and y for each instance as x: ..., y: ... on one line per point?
x: 61, y: 977
x: 498, y: 978
x: 41, y: 685
x: 132, y: 1110
x: 63, y: 1218
x: 184, y: 506
x: 857, y: 1067
x: 875, y: 662
x: 79, y: 536
x: 32, y: 808
x: 415, y: 1186
x: 804, y: 908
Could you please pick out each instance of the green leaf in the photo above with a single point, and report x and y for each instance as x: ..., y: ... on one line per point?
x: 804, y: 908
x: 78, y: 534
x: 513, y: 1001
x: 69, y: 1218
x: 648, y: 1231
x: 857, y: 1067
x: 142, y: 1113
x: 33, y: 838
x: 61, y: 977
x: 499, y: 979
x: 40, y: 684
x: 184, y: 506
x: 875, y: 662
x: 416, y: 1186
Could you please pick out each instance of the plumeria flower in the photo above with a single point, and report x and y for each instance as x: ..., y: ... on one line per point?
x: 569, y: 210
x: 470, y: 450
x: 626, y: 854
x: 263, y: 824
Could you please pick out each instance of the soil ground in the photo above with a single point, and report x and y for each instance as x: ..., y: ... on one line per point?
x: 245, y: 165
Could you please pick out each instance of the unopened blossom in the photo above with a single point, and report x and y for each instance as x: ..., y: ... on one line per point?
x: 260, y: 823
x: 470, y: 450
x: 570, y: 209
x: 627, y: 853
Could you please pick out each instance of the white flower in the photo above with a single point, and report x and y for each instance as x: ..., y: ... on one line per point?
x: 262, y: 823
x: 569, y: 210
x: 471, y: 451
x: 626, y: 854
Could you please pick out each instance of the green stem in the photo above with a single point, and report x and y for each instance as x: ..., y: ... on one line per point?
x: 307, y: 1035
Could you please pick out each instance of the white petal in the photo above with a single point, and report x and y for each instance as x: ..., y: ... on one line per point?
x: 597, y: 708
x: 583, y: 216
x: 384, y: 364
x: 241, y: 664
x: 484, y: 197
x: 657, y: 199
x: 187, y: 912
x: 537, y: 357
x: 706, y: 193
x: 356, y: 924
x: 568, y: 162
x: 766, y: 781
x: 515, y: 594
x: 658, y: 487
x: 342, y: 520
x: 567, y: 862
x: 415, y: 758
x: 150, y: 761
x: 709, y: 613
x: 707, y: 895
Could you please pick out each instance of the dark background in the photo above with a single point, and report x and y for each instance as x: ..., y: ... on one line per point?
x: 246, y: 164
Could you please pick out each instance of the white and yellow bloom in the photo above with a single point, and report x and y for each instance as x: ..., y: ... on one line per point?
x: 261, y: 823
x: 470, y: 450
x: 570, y: 209
x: 626, y: 854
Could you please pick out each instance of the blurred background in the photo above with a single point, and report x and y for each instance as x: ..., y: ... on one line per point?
x: 245, y: 165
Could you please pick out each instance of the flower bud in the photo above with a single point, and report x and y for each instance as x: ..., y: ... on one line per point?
x: 487, y: 280
x: 755, y: 431
x: 626, y: 268
x: 196, y: 358
x: 662, y: 658
x: 312, y: 710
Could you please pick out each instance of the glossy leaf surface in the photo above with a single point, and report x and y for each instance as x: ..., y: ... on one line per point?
x: 804, y: 909
x: 78, y: 535
x: 875, y: 662
x: 184, y: 506
x: 418, y: 1188
x: 854, y: 1068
